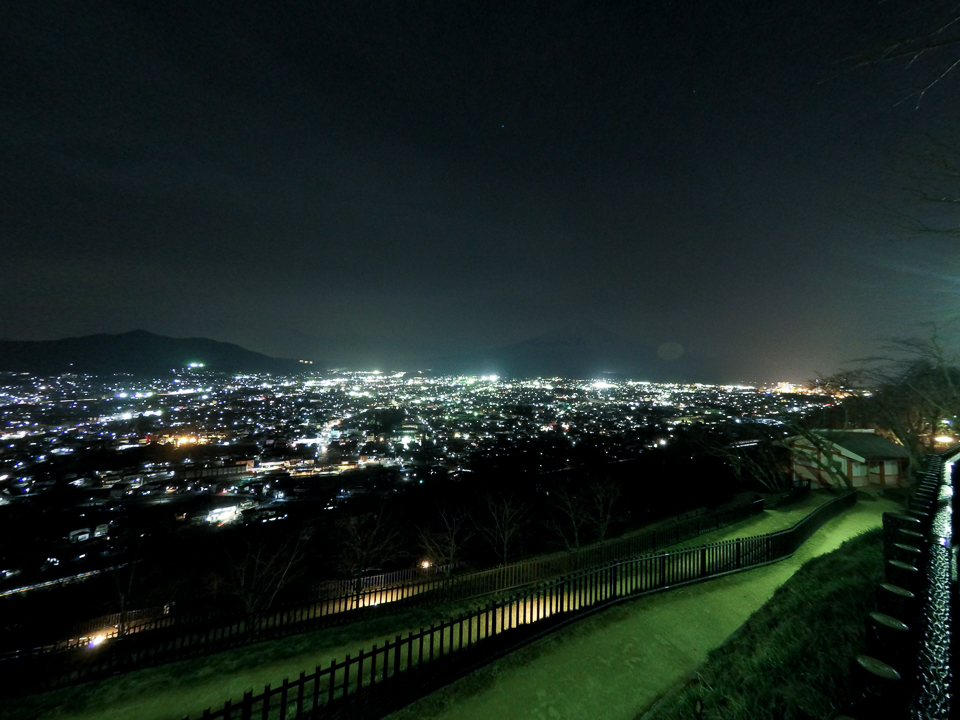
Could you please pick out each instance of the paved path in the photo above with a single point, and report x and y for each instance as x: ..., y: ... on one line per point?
x: 619, y: 662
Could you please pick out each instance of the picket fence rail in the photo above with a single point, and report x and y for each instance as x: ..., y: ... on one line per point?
x: 379, y: 681
x: 151, y: 636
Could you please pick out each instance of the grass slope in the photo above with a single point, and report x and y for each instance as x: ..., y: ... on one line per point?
x: 792, y: 656
x: 174, y: 690
x: 766, y: 522
x: 618, y: 663
x: 170, y: 692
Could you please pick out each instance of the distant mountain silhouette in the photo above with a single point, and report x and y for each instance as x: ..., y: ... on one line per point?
x: 585, y: 350
x: 578, y: 351
x: 137, y: 352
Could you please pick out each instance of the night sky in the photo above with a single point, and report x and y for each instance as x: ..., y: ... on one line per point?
x: 382, y: 183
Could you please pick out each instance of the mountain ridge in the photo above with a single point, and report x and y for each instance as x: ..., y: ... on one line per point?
x: 136, y: 352
x: 580, y: 350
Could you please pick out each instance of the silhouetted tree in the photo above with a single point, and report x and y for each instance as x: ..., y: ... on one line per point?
x: 445, y: 540
x: 139, y: 575
x: 758, y: 456
x: 822, y: 456
x: 911, y: 392
x: 366, y: 542
x: 568, y: 515
x: 258, y: 566
x: 934, y: 34
x: 602, y: 501
x: 501, y: 521
x: 127, y: 578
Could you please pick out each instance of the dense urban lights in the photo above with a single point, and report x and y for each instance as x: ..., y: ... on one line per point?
x: 239, y: 449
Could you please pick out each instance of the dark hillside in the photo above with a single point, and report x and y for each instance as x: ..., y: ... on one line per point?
x: 137, y: 352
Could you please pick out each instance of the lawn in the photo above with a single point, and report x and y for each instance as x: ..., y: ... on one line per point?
x: 769, y: 520
x: 618, y: 663
x: 792, y: 657
x: 170, y: 692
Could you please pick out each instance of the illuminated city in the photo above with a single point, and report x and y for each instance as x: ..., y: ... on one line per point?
x: 250, y: 428
x: 236, y: 449
x: 477, y: 360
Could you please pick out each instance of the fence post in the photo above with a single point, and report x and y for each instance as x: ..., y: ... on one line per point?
x: 359, y: 671
x: 284, y: 693
x: 247, y: 708
x: 265, y: 705
x: 300, y: 685
x: 332, y: 683
x: 386, y: 661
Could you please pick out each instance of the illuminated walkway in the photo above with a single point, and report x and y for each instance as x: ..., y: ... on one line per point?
x: 619, y: 671
x: 619, y: 662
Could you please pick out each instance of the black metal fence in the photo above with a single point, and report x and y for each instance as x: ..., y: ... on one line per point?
x: 131, y: 620
x: 544, y: 567
x: 152, y: 637
x: 906, y: 668
x: 388, y: 676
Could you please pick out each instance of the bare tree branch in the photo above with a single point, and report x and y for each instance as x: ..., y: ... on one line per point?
x: 502, y: 523
x: 259, y: 568
x: 604, y: 497
x: 366, y: 542
x: 443, y: 543
x: 568, y: 516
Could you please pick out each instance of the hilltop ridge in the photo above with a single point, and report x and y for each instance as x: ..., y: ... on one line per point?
x: 137, y: 352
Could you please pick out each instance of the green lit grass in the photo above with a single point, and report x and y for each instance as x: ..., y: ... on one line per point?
x: 770, y: 520
x: 171, y: 691
x: 681, y: 625
x: 793, y: 655
x: 618, y: 663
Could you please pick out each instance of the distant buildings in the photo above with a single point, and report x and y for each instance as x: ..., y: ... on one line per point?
x: 861, y: 458
x: 194, y: 450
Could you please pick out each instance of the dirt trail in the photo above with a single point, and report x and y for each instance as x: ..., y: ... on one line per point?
x: 619, y: 662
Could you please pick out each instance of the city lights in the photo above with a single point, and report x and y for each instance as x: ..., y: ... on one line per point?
x: 233, y: 450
